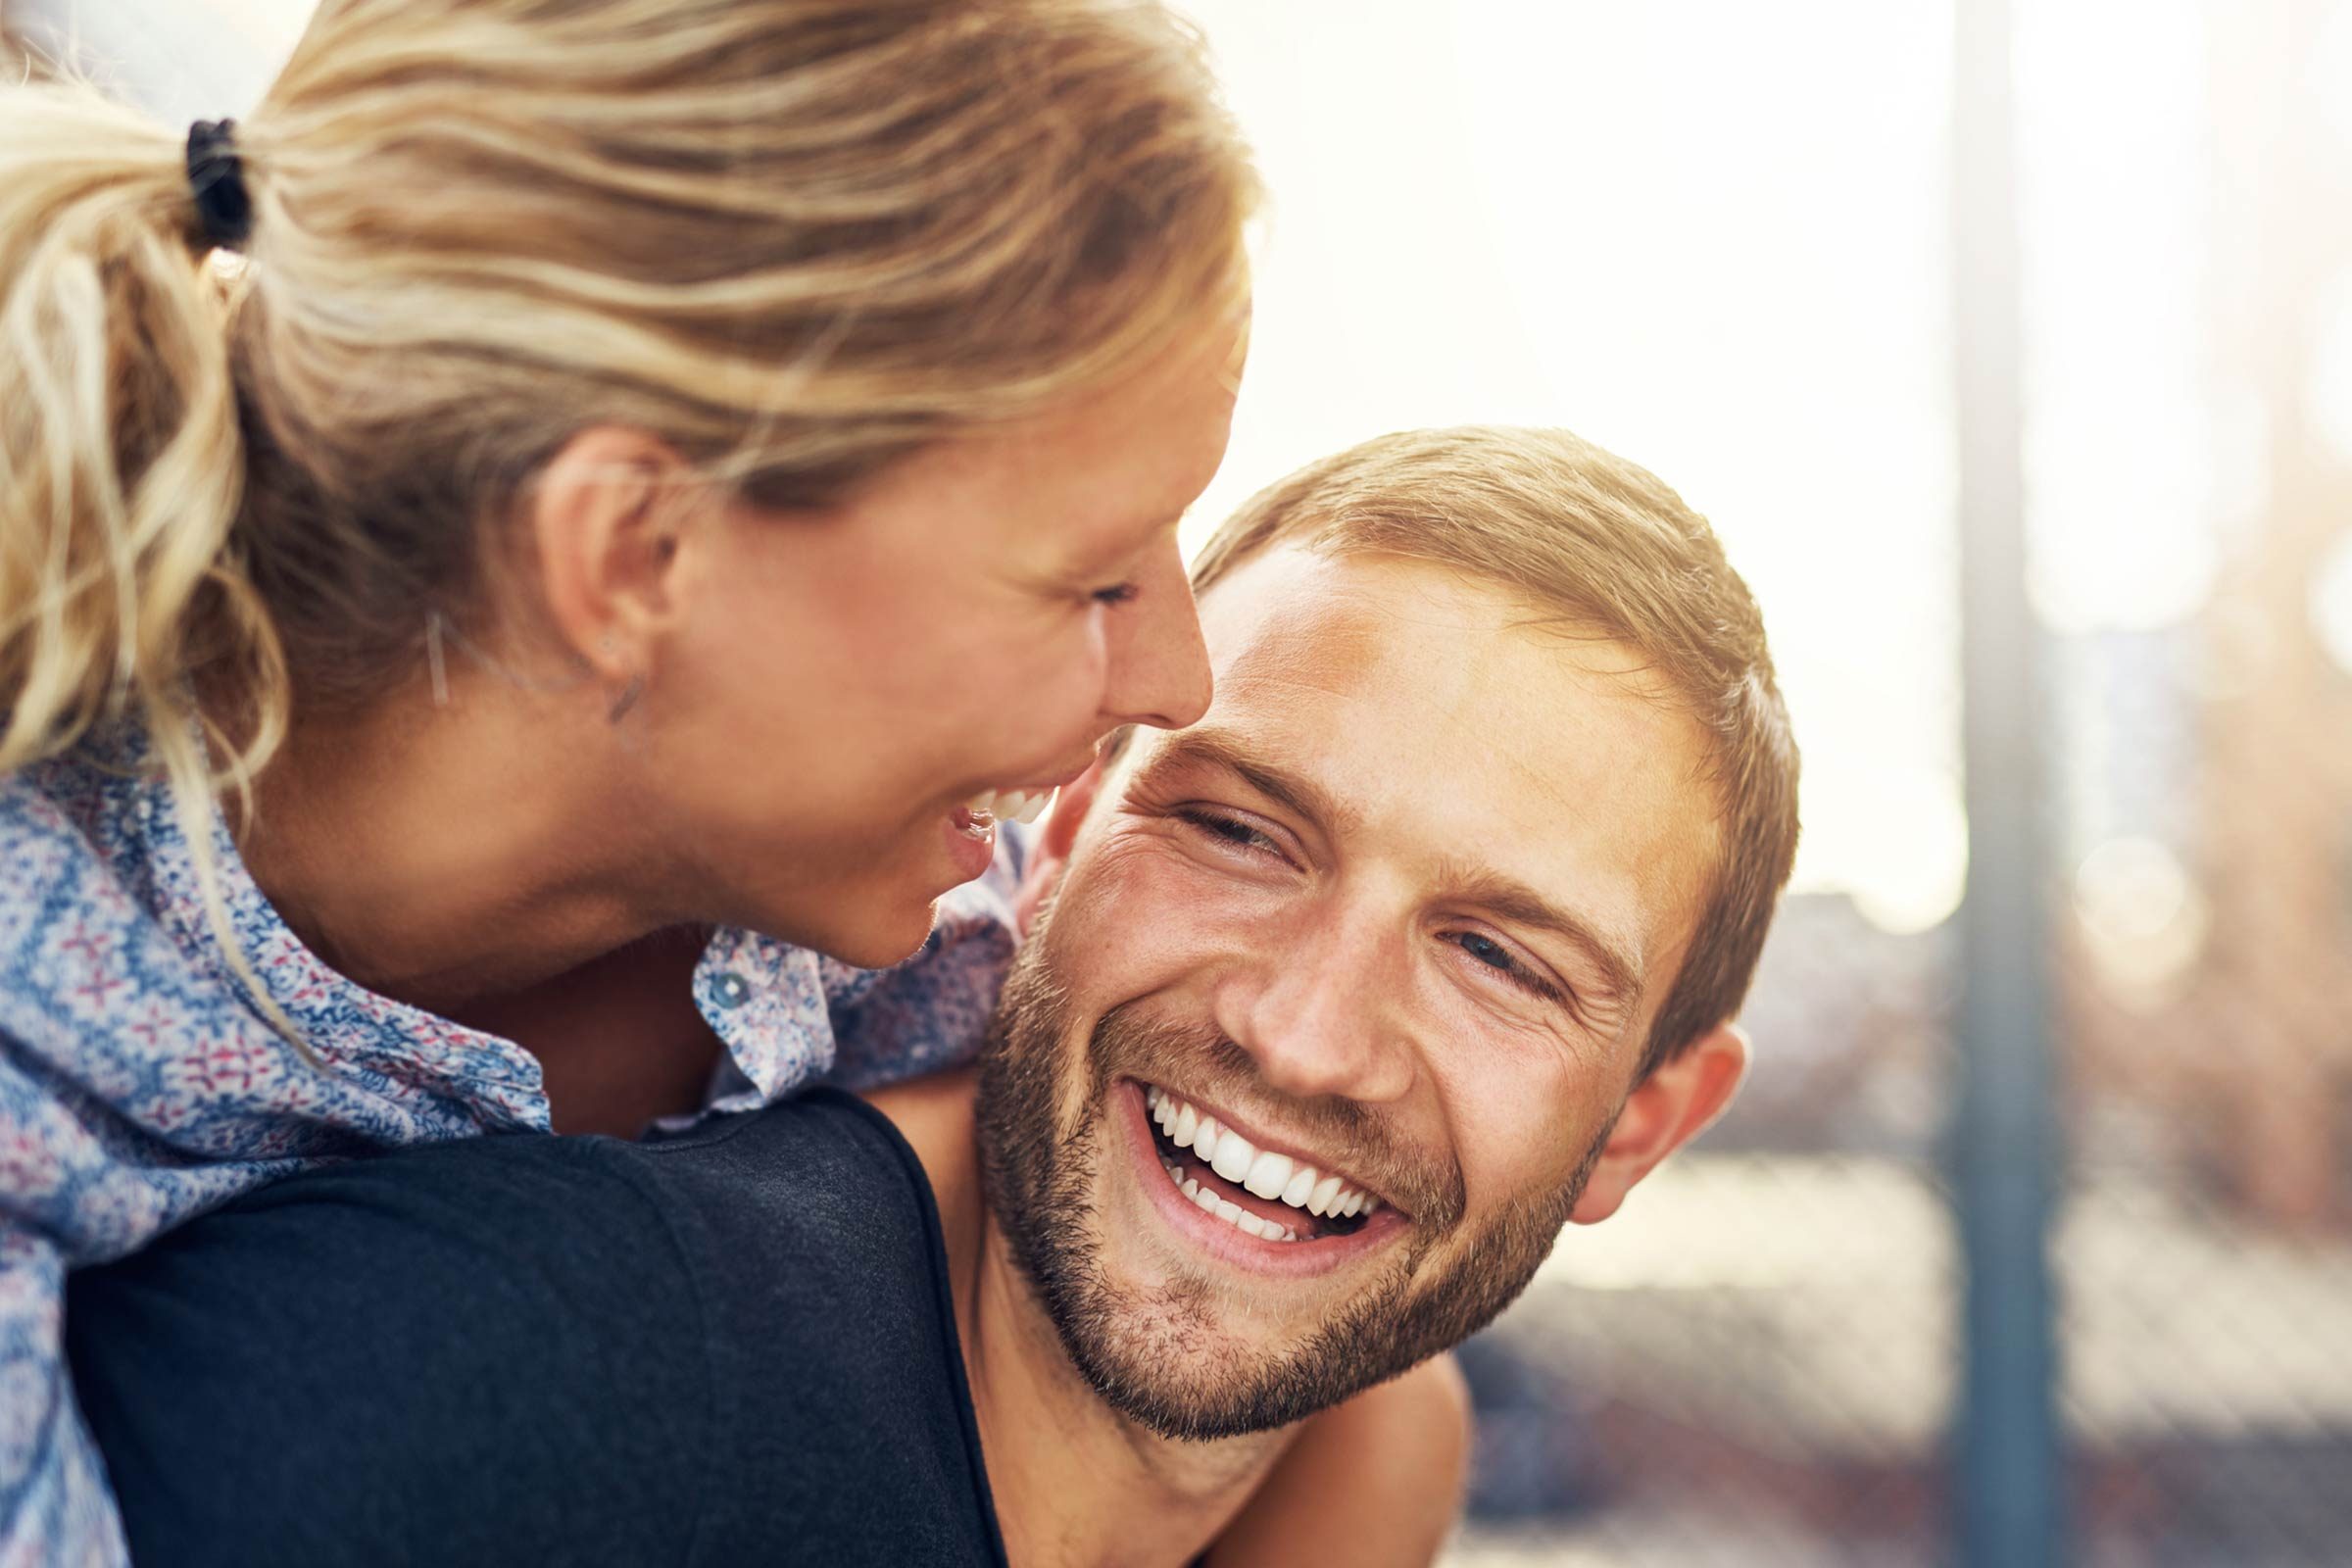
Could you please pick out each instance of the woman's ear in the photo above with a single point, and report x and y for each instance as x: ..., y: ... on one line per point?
x: 1667, y: 1109
x: 1050, y: 855
x: 602, y: 520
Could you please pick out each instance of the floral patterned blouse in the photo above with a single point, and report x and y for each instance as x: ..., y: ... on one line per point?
x: 140, y: 1085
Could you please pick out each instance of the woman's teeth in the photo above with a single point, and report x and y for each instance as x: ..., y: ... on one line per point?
x: 1262, y: 1172
x: 1011, y: 805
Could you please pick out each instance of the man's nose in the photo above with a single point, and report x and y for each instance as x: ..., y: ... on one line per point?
x: 1320, y: 1016
x: 1158, y: 670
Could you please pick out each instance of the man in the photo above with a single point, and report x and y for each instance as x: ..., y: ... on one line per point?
x: 1333, y: 1010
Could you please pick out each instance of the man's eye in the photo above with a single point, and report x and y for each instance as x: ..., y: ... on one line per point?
x: 1230, y: 829
x: 1495, y: 955
x: 1117, y: 594
x: 1487, y: 951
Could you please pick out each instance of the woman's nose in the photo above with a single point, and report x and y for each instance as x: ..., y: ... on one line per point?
x: 1158, y: 670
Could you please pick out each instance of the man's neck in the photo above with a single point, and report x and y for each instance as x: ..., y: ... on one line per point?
x: 1074, y: 1481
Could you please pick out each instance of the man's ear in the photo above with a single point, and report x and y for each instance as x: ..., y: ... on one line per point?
x: 1049, y: 856
x: 603, y: 523
x: 1666, y: 1110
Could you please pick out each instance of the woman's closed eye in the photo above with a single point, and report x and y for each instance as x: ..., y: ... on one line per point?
x: 1117, y: 594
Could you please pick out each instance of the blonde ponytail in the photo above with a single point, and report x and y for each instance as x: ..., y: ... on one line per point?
x: 120, y: 467
x: 123, y: 592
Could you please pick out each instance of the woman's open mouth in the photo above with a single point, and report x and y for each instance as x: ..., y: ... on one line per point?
x: 1010, y: 805
x: 971, y: 828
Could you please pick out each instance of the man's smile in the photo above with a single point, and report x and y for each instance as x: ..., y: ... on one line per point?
x: 1237, y: 1201
x: 1198, y: 1146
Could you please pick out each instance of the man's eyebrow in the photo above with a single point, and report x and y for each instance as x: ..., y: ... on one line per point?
x: 1201, y: 746
x: 1511, y: 900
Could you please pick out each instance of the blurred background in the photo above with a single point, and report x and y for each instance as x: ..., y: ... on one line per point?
x: 2030, y: 1239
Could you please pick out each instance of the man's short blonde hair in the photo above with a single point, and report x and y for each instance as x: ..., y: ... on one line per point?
x: 1603, y: 546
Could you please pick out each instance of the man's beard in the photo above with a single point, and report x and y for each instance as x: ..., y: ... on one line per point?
x: 1153, y: 1354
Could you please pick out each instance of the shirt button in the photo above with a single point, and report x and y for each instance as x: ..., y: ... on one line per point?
x: 731, y: 990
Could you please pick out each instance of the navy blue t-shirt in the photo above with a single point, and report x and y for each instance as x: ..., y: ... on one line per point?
x: 738, y: 1346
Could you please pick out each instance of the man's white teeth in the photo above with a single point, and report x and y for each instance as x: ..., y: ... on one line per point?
x: 1232, y: 1213
x: 1269, y: 1173
x: 1319, y: 1198
x: 1012, y: 806
x: 1260, y: 1171
x: 1234, y: 1156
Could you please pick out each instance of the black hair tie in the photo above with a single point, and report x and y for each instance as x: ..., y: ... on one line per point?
x: 217, y: 175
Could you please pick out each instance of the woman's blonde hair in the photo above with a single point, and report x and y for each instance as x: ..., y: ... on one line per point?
x: 795, y: 239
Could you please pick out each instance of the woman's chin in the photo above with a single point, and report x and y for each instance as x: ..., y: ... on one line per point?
x: 877, y: 913
x: 885, y: 935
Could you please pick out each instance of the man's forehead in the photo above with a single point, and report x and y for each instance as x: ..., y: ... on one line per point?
x: 1448, y: 722
x: 1422, y: 645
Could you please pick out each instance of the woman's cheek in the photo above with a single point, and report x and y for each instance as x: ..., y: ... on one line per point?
x: 1064, y: 696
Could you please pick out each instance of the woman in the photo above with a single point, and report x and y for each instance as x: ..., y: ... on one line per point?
x: 657, y: 479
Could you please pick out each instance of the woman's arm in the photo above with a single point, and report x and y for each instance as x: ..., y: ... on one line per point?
x: 1376, y: 1481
